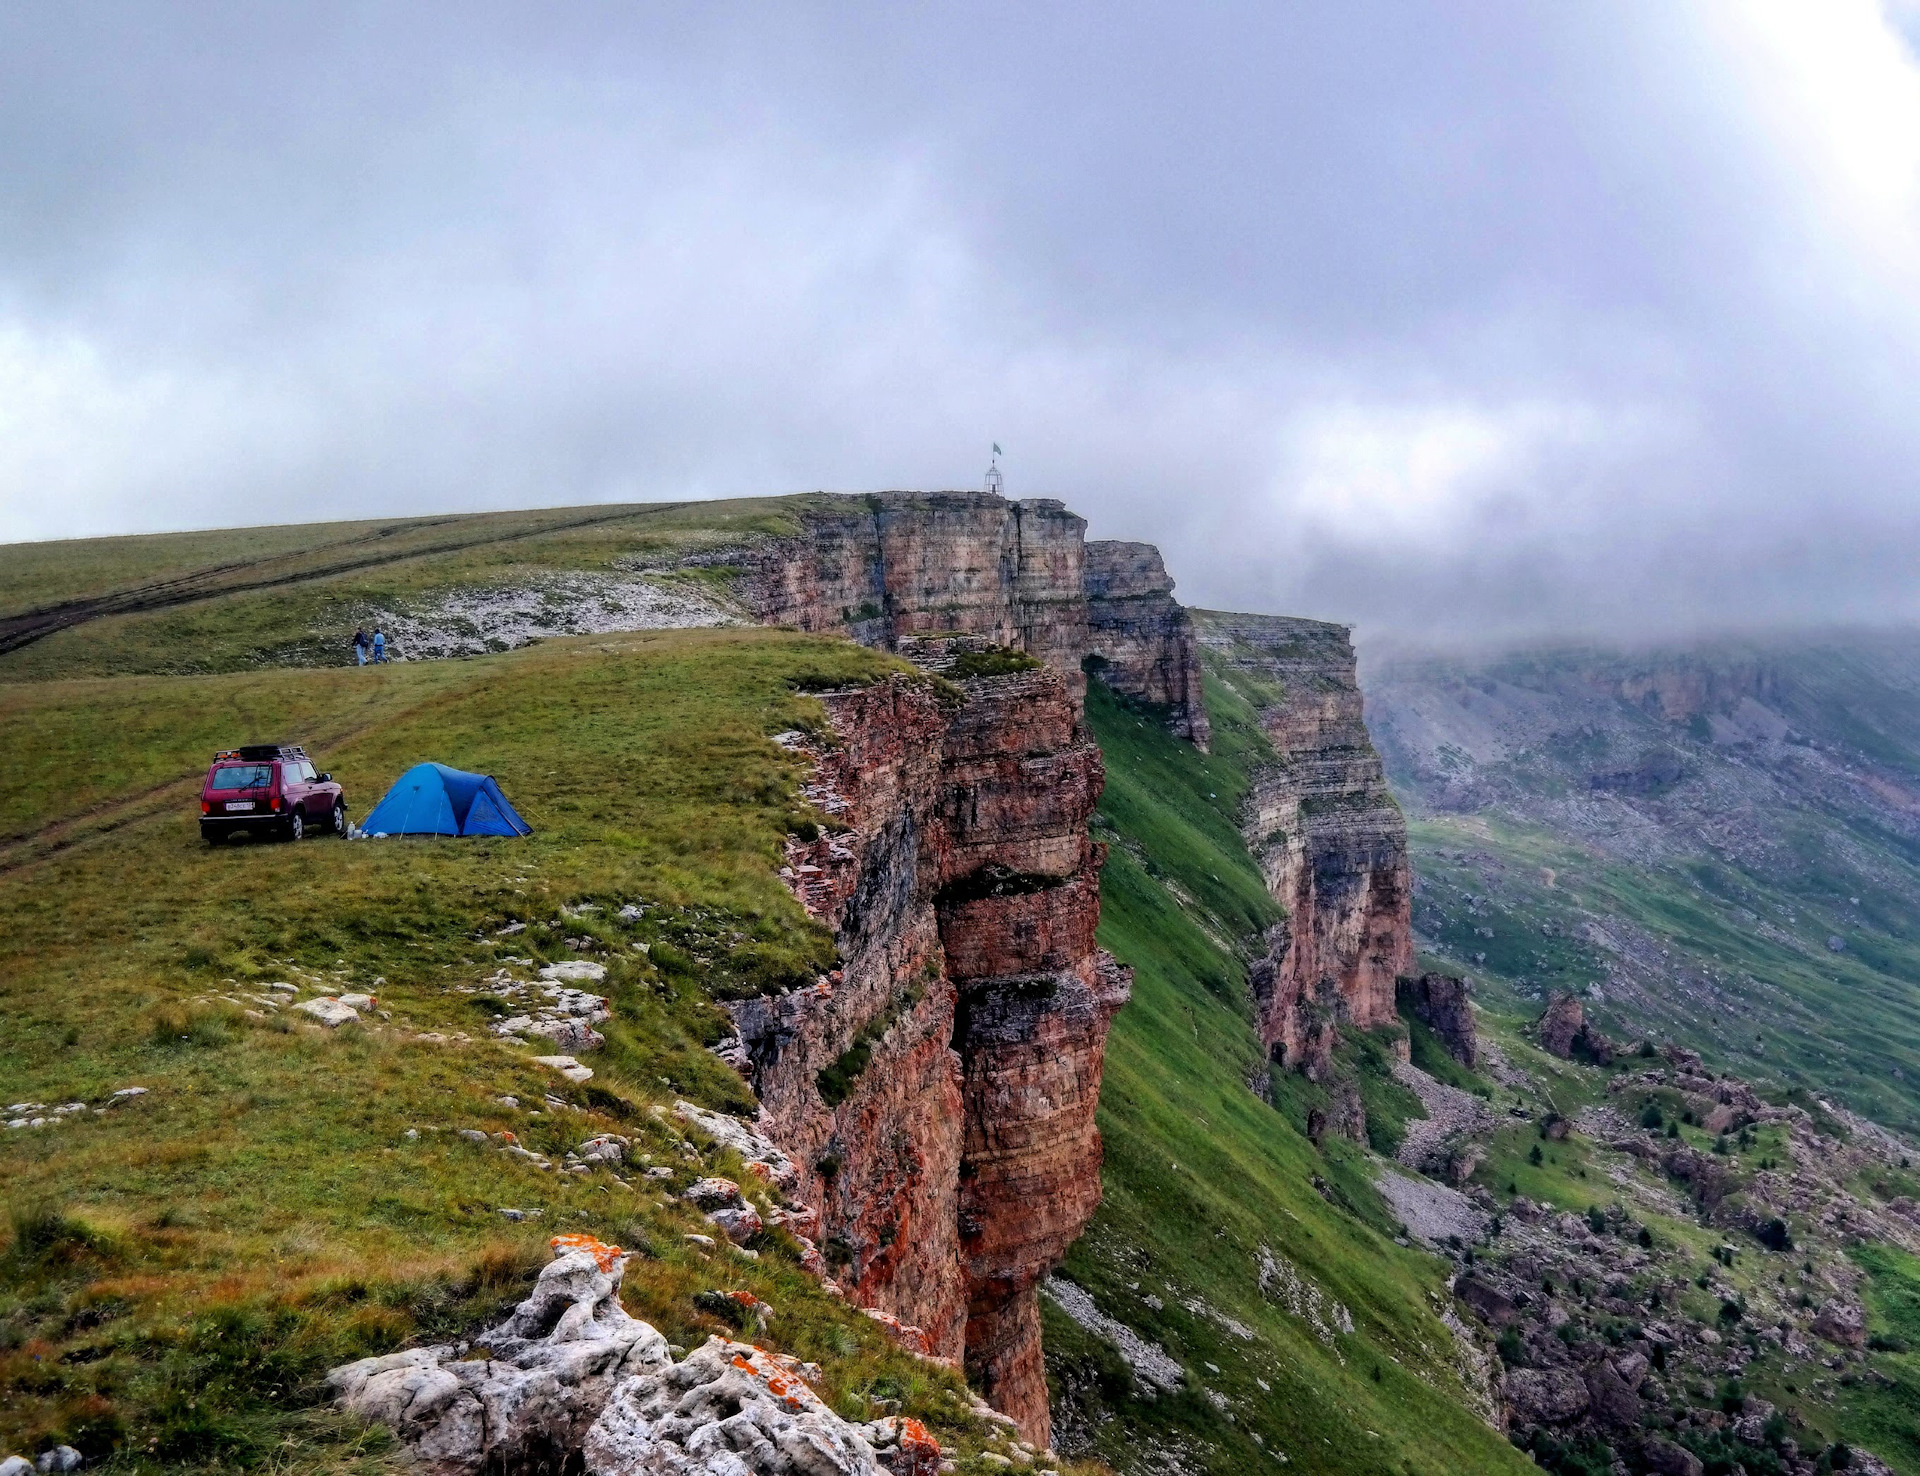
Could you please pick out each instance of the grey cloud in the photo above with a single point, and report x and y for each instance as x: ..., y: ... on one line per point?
x: 1449, y: 320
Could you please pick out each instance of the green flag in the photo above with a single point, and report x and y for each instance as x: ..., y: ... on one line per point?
x: 997, y: 451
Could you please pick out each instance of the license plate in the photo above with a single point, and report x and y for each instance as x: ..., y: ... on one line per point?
x: 239, y: 805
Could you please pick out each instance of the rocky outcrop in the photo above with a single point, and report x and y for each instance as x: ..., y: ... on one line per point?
x: 892, y: 569
x: 1444, y: 1004
x: 1142, y: 640
x: 571, y: 1375
x: 937, y: 1092
x: 1329, y: 838
x: 1564, y: 1031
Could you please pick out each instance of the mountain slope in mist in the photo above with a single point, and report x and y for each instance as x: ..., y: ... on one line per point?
x: 1718, y: 843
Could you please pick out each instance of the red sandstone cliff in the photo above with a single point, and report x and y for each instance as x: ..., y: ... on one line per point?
x: 1329, y: 838
x: 939, y: 1091
x: 891, y: 567
x: 886, y: 567
x: 1141, y: 636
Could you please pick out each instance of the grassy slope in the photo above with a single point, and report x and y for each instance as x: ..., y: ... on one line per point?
x: 308, y: 620
x: 1787, y: 1007
x: 1201, y: 1174
x: 183, y: 1267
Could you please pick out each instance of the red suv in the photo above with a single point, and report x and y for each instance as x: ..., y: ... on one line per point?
x: 270, y: 789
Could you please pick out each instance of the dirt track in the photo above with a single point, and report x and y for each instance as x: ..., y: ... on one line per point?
x: 282, y: 569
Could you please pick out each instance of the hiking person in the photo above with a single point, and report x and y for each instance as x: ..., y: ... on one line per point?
x: 379, y: 644
x: 360, y: 647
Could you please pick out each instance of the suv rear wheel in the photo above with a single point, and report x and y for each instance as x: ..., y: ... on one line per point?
x: 340, y: 819
x: 296, y: 827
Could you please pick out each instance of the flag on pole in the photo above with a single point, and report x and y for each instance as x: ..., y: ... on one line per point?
x: 997, y: 451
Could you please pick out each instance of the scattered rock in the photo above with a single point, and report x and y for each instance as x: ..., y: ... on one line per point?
x: 566, y: 1066
x: 1843, y: 1323
x: 16, y: 1466
x: 1544, y: 1396
x: 331, y: 1013
x: 1150, y: 1364
x: 731, y: 1132
x: 726, y: 1208
x: 1563, y: 1031
x: 1664, y: 1458
x: 574, y: 970
x: 60, y: 1458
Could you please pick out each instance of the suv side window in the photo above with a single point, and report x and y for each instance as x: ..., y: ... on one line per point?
x: 307, y: 771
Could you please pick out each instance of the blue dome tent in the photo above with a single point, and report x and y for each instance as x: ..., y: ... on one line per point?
x: 431, y: 799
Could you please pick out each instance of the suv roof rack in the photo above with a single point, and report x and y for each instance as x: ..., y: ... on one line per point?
x: 259, y: 752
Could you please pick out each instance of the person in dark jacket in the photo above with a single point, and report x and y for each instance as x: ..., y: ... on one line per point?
x: 360, y: 647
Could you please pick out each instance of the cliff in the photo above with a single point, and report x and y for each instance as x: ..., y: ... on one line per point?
x: 938, y: 1091
x: 1142, y: 638
x: 887, y: 567
x: 1328, y: 836
x: 891, y: 568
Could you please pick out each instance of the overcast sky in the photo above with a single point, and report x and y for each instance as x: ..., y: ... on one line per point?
x: 1442, y: 319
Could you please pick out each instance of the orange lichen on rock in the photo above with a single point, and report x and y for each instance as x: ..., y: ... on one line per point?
x: 605, y: 1256
x: 919, y: 1452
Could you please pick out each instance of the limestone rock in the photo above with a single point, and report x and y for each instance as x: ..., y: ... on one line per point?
x: 890, y: 567
x: 1610, y: 1400
x: 573, y: 971
x: 331, y: 1013
x: 1544, y: 1396
x: 60, y: 1458
x: 542, y: 1377
x: 727, y: 1409
x: 721, y: 1201
x: 15, y: 1465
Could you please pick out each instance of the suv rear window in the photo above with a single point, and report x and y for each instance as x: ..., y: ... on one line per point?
x: 241, y: 776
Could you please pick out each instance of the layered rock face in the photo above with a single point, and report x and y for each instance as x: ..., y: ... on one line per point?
x: 894, y: 568
x: 1329, y: 838
x: 887, y: 567
x: 938, y: 1092
x: 1142, y: 636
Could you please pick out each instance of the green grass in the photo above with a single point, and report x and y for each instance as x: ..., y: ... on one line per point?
x: 182, y: 1267
x: 292, y: 596
x: 1201, y: 1174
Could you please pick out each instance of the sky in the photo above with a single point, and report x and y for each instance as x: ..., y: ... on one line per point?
x: 1452, y: 321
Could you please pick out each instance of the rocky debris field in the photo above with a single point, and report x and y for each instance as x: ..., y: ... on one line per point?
x: 1700, y: 1253
x: 472, y: 621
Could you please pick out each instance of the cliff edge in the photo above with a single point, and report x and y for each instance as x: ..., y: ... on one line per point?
x: 1328, y: 836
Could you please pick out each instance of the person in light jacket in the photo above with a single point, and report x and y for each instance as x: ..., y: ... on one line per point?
x: 379, y: 645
